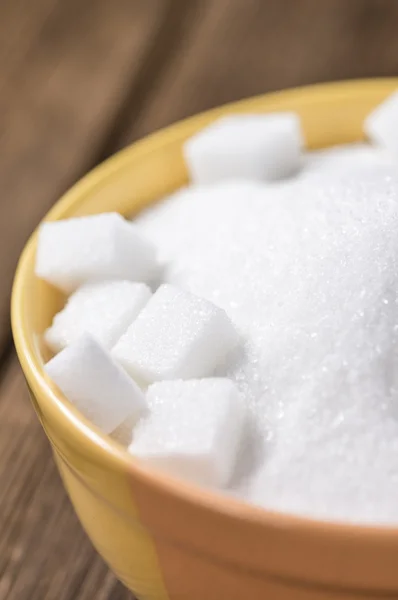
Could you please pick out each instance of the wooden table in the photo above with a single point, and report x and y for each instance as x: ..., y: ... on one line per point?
x: 78, y: 80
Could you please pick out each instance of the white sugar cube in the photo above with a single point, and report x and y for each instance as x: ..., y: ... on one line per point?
x: 123, y: 434
x: 381, y: 125
x: 176, y: 336
x: 104, y: 309
x: 260, y: 147
x: 106, y: 246
x: 193, y: 431
x: 89, y: 378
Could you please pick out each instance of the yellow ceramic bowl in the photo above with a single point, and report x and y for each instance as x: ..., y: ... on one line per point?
x: 166, y: 539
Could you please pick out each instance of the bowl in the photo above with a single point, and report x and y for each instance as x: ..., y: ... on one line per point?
x: 166, y: 539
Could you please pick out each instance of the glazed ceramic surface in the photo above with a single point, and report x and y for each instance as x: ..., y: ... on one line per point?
x: 167, y: 540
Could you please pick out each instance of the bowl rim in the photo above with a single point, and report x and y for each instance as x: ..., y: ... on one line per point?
x: 101, y: 448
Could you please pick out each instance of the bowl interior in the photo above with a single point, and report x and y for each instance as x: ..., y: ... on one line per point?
x: 134, y: 178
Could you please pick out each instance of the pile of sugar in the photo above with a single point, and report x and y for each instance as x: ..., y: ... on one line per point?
x: 308, y: 272
x: 346, y: 159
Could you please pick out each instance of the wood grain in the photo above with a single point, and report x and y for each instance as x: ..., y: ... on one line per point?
x: 44, y: 554
x: 62, y: 100
x: 78, y: 80
x: 237, y: 49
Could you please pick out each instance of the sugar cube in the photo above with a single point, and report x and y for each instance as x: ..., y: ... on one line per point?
x: 258, y: 146
x: 106, y: 246
x: 104, y: 309
x: 382, y: 123
x: 123, y: 434
x: 89, y: 378
x: 193, y: 431
x: 176, y: 336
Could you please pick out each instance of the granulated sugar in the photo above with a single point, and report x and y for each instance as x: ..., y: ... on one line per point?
x: 308, y: 272
x: 346, y: 158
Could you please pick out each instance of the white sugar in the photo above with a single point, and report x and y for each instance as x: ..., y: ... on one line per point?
x: 193, y: 430
x: 262, y: 147
x: 308, y: 273
x: 176, y: 336
x: 381, y: 124
x: 88, y: 377
x: 100, y: 247
x: 345, y: 159
x: 104, y: 309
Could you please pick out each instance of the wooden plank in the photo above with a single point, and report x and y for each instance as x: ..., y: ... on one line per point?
x: 179, y: 18
x: 236, y: 49
x: 44, y: 553
x: 59, y: 105
x: 19, y: 30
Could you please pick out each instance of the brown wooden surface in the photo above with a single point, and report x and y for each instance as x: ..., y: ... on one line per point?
x: 78, y: 80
